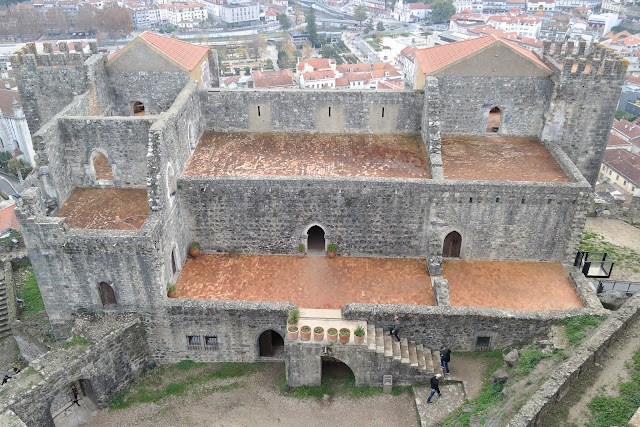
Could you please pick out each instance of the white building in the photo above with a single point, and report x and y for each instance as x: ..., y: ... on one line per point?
x: 541, y: 5
x: 146, y: 18
x: 604, y: 22
x: 410, y: 12
x: 239, y: 14
x: 475, y: 6
x: 516, y: 22
x: 14, y: 131
x: 182, y: 13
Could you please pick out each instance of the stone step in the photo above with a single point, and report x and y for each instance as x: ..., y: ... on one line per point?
x: 422, y: 362
x: 388, y: 346
x: 404, y: 351
x: 396, y: 349
x: 371, y: 337
x: 379, y: 341
x: 413, y: 355
x: 429, y: 359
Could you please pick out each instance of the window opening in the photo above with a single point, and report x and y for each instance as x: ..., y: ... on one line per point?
x: 483, y: 343
x: 193, y: 342
x: 258, y: 111
x: 329, y: 111
x: 210, y: 342
x: 382, y: 111
x: 495, y: 120
x: 138, y: 108
x: 107, y: 296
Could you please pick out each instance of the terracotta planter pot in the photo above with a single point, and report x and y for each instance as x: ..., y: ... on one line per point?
x: 172, y: 294
x: 305, y: 336
x: 344, y: 339
x: 331, y: 254
x: 358, y: 340
x: 301, y: 254
x: 318, y: 336
x: 332, y: 338
x: 194, y: 252
x: 293, y: 335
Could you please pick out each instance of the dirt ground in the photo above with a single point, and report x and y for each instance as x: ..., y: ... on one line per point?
x: 258, y: 401
x: 618, y: 233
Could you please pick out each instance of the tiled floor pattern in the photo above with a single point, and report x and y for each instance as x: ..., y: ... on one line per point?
x: 106, y: 208
x: 497, y: 158
x: 290, y: 154
x: 310, y: 282
x: 517, y: 285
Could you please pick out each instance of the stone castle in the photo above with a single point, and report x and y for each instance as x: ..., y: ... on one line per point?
x: 138, y: 156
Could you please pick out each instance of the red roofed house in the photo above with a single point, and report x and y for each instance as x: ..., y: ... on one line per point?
x: 150, y: 54
x: 325, y: 79
x: 407, y: 59
x: 411, y: 12
x: 315, y: 64
x: 272, y: 79
x: 615, y: 142
x: 629, y: 132
x: 8, y: 220
x: 464, y: 59
x: 271, y: 15
x: 622, y: 168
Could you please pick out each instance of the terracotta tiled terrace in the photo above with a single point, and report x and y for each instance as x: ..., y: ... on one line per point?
x: 498, y: 158
x: 310, y: 282
x: 517, y: 285
x: 289, y: 154
x: 106, y: 208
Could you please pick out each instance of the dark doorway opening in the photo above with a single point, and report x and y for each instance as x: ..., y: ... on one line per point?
x: 271, y: 344
x: 174, y: 265
x: 138, y: 108
x: 315, y: 239
x: 107, y: 295
x: 495, y: 120
x: 335, y: 373
x: 452, y: 245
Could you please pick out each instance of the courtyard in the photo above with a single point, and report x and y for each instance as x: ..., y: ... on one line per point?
x: 309, y: 154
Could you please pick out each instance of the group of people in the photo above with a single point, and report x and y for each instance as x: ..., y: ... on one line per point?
x: 16, y: 370
x: 445, y: 358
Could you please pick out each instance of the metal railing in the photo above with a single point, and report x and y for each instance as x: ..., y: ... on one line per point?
x: 594, y: 264
x: 628, y: 288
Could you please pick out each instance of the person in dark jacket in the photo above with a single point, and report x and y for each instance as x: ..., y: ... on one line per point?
x: 435, y: 387
x: 395, y: 328
x: 74, y: 394
x: 445, y: 358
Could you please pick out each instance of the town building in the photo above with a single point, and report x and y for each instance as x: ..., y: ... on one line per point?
x: 272, y: 79
x: 622, y: 168
x: 239, y: 14
x: 14, y: 131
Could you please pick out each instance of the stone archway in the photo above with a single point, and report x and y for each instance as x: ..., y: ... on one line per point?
x: 271, y: 344
x: 494, y: 122
x: 452, y: 245
x: 66, y: 413
x: 316, y: 238
x: 336, y: 371
x: 107, y: 295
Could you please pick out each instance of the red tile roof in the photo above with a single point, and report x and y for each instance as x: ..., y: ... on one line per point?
x: 6, y: 100
x: 432, y: 59
x: 342, y: 82
x: 625, y: 162
x: 8, y: 218
x: 319, y: 75
x: 272, y: 78
x: 616, y: 141
x: 409, y: 51
x: 273, y: 12
x: 414, y: 6
x: 315, y: 63
x: 511, y: 36
x: 391, y: 84
x: 186, y: 54
x: 627, y: 129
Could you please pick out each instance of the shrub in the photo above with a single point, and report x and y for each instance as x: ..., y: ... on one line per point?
x: 293, y: 328
x: 305, y: 329
x: 359, y: 331
x: 294, y: 316
x: 195, y: 245
x: 332, y: 331
x: 318, y: 330
x: 332, y: 247
x: 301, y: 247
x: 345, y: 331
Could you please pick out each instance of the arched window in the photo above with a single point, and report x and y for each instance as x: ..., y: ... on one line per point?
x: 172, y: 186
x: 107, y: 296
x: 494, y: 124
x: 137, y: 108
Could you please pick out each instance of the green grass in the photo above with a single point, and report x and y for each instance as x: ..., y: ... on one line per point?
x: 529, y: 359
x: 151, y: 387
x: 30, y: 293
x: 624, y: 257
x: 76, y: 341
x: 577, y: 327
x: 617, y: 411
x: 13, y: 234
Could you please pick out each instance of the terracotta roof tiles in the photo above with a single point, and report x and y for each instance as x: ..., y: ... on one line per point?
x: 272, y: 78
x: 8, y: 218
x: 625, y: 162
x: 627, y: 129
x: 186, y: 54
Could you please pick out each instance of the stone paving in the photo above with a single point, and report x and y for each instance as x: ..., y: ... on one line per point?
x: 510, y: 284
x: 310, y: 282
x: 106, y: 208
x: 291, y: 154
x: 431, y: 414
x: 497, y: 158
x: 102, y: 167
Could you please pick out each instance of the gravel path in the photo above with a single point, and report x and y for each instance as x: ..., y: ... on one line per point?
x: 615, y: 231
x: 258, y: 402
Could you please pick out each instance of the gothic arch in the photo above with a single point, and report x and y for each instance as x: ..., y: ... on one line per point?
x: 100, y: 167
x: 494, y: 119
x: 314, y: 226
x: 107, y: 295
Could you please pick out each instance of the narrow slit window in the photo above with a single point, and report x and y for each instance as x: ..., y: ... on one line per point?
x: 470, y: 199
x: 497, y: 199
x: 329, y: 111
x: 258, y: 111
x: 524, y: 200
x: 382, y: 111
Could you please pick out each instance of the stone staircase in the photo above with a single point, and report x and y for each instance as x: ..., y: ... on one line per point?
x: 4, y: 310
x: 405, y: 352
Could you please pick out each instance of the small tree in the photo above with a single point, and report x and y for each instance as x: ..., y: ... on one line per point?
x: 369, y: 27
x: 380, y: 26
x: 378, y: 37
x: 285, y: 22
x: 283, y: 60
x: 360, y: 13
x: 307, y: 50
x: 256, y: 46
x: 442, y: 10
x: 312, y: 27
x: 298, y: 12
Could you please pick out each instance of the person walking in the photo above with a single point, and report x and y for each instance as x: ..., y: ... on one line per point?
x: 5, y: 379
x: 395, y: 328
x: 435, y: 387
x: 74, y: 394
x: 445, y: 358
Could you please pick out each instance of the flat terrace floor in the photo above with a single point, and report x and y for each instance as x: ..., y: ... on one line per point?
x: 507, y: 284
x: 297, y: 154
x: 310, y: 282
x: 496, y: 158
x: 106, y: 208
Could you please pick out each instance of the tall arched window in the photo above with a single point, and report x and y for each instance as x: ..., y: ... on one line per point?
x: 107, y: 296
x: 494, y: 124
x: 452, y: 244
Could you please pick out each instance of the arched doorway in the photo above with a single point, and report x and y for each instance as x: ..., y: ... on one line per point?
x: 315, y: 238
x: 452, y: 244
x: 137, y: 108
x: 174, y: 263
x: 107, y: 296
x: 495, y: 120
x: 271, y: 344
x: 172, y: 186
x: 65, y: 413
x: 101, y: 166
x: 336, y: 372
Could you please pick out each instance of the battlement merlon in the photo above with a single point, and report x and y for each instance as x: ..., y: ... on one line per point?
x: 597, y: 62
x: 28, y: 57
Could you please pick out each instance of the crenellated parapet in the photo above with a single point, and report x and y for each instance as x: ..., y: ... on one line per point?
x: 571, y: 62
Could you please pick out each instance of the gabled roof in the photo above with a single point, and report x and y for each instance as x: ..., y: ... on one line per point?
x: 184, y: 54
x: 627, y: 129
x: 8, y: 218
x: 272, y: 78
x: 6, y: 100
x: 625, y: 162
x: 435, y: 58
x: 315, y: 63
x: 616, y: 142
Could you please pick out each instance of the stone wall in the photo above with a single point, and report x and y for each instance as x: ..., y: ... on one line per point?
x: 549, y: 398
x: 465, y: 103
x: 459, y: 327
x: 106, y: 367
x: 236, y: 324
x: 335, y: 111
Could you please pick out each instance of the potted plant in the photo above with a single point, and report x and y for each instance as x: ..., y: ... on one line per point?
x: 294, y: 316
x: 233, y: 253
x: 171, y: 290
x: 358, y: 335
x: 292, y: 332
x: 332, y: 335
x: 345, y: 334
x: 301, y: 250
x: 331, y: 250
x: 305, y: 333
x: 318, y: 333
x: 194, y: 249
